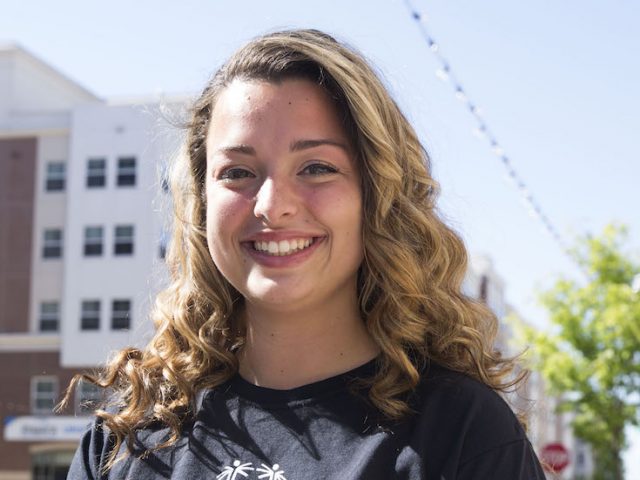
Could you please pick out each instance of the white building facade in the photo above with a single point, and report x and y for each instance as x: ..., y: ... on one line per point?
x: 114, y: 230
x: 80, y: 249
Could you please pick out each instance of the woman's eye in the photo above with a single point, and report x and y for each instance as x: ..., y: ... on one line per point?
x: 235, y: 174
x: 318, y: 169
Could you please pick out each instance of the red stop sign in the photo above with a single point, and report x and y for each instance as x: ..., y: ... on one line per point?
x: 554, y: 457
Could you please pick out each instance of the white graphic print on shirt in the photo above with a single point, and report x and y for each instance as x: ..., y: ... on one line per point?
x: 230, y: 473
x: 273, y: 473
x: 238, y: 468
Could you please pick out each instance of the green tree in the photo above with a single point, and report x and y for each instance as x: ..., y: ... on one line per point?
x: 592, y: 355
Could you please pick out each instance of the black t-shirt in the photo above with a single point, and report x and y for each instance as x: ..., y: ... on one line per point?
x: 461, y: 430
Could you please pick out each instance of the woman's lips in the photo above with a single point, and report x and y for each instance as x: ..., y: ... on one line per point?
x: 275, y: 256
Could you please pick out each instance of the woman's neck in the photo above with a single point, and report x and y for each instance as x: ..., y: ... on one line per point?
x: 287, y: 350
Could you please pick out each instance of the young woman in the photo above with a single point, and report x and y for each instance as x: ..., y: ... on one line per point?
x: 314, y: 327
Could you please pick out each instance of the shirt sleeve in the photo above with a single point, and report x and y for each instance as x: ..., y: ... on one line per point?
x: 86, y: 463
x: 515, y: 460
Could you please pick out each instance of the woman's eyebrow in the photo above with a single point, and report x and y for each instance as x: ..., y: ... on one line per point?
x: 305, y: 144
x: 295, y: 146
x: 244, y: 149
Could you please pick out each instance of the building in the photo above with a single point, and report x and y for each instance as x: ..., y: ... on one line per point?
x: 79, y: 239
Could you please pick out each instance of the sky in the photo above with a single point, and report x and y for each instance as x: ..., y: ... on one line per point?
x: 556, y: 83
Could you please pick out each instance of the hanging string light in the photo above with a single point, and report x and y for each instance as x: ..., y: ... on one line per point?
x: 482, y: 131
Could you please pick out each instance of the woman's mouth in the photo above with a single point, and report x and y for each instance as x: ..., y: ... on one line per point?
x: 283, y: 247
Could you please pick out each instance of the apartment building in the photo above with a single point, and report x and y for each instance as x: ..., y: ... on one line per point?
x: 81, y: 245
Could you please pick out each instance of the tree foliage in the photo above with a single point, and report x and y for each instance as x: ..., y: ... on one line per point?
x: 592, y: 354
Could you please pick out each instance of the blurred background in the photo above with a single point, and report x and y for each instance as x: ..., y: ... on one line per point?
x: 529, y: 112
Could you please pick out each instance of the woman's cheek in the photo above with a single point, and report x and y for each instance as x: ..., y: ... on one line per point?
x: 225, y: 206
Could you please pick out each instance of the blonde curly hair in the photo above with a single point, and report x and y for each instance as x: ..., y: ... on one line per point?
x: 409, y: 283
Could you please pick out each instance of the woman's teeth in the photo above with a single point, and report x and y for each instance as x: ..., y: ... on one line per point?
x: 283, y: 247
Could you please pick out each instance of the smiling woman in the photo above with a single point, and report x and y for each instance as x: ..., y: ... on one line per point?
x: 314, y: 326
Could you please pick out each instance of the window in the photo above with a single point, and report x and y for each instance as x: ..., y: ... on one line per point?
x: 92, y: 241
x: 126, y: 171
x: 163, y: 245
x: 52, y: 245
x: 49, y: 316
x: 484, y: 289
x: 123, y: 240
x: 88, y: 397
x: 96, y: 172
x: 44, y: 391
x: 50, y: 465
x: 55, y: 176
x: 164, y: 178
x: 162, y: 250
x: 90, y: 316
x: 120, y: 319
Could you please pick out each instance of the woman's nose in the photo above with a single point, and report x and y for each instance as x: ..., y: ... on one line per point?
x: 275, y: 201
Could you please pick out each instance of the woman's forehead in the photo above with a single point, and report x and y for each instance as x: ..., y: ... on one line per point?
x: 254, y: 108
x: 248, y: 96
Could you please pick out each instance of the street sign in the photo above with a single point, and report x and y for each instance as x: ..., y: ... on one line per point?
x: 44, y: 428
x: 554, y: 457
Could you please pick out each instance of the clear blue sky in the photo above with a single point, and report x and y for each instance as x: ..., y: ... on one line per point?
x: 557, y: 83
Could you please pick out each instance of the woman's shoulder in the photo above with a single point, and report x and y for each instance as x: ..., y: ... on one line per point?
x: 457, y: 395
x: 469, y: 421
x: 439, y: 380
x: 95, y: 445
x: 456, y: 401
x: 98, y: 443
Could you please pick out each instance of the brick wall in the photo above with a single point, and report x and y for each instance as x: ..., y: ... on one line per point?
x: 16, y: 371
x: 17, y: 183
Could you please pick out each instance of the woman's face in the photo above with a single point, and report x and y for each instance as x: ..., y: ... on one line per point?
x: 284, y: 203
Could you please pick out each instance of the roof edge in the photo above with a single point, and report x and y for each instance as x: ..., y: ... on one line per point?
x: 18, y: 49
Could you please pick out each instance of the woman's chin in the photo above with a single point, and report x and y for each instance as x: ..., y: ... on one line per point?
x: 268, y: 293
